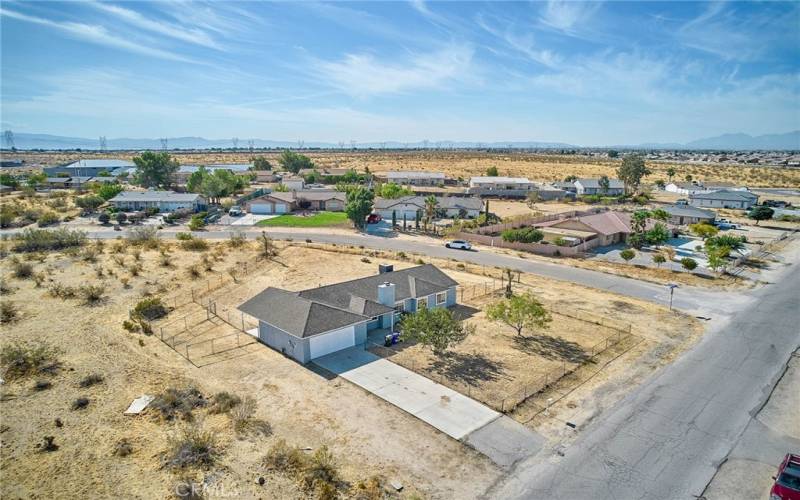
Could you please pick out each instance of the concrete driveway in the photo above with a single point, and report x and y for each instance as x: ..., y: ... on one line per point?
x: 443, y: 408
x: 243, y: 220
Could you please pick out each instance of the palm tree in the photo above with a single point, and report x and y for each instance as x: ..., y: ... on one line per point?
x: 430, y: 209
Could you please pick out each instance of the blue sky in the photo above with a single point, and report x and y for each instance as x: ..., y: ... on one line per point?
x: 584, y: 73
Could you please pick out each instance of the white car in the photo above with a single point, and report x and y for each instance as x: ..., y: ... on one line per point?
x: 726, y: 225
x: 460, y: 244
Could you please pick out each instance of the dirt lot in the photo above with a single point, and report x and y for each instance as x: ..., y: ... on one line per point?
x: 300, y: 406
x: 466, y: 164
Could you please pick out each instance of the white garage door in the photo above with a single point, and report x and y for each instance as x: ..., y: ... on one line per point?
x: 332, y: 342
x: 261, y: 208
x: 280, y: 208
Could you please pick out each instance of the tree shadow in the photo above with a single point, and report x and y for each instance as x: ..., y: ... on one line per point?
x: 551, y: 348
x: 469, y: 369
x: 462, y: 311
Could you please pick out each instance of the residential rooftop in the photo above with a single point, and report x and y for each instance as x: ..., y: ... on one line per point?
x: 155, y: 196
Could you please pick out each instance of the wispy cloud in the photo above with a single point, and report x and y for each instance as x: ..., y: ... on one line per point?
x: 96, y: 34
x: 187, y: 34
x: 364, y: 75
x: 524, y: 43
x: 568, y: 16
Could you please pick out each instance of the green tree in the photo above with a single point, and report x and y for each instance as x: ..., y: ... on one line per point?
x: 431, y: 204
x: 659, y: 259
x: 36, y: 179
x: 89, y: 202
x: 703, y: 230
x: 359, y: 205
x: 108, y: 191
x: 155, y: 170
x: 660, y: 184
x: 637, y: 238
x: 294, y: 162
x: 671, y: 173
x: 716, y: 257
x: 260, y: 163
x: 435, y: 328
x: 104, y: 218
x: 734, y: 243
x: 9, y: 180
x: 522, y: 235
x: 613, y: 153
x: 492, y: 172
x: 627, y: 254
x: 519, y: 312
x: 390, y: 190
x: 658, y: 235
x: 659, y: 214
x: 689, y: 263
x: 121, y: 217
x: 532, y: 198
x: 394, y: 218
x: 760, y: 212
x: 196, y: 223
x: 571, y: 178
x: 631, y: 171
x: 604, y: 184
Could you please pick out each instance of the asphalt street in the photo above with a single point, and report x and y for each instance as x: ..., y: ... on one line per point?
x: 666, y: 439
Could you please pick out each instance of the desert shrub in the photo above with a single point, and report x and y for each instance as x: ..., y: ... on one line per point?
x: 195, y: 245
x: 90, y: 254
x: 131, y: 326
x: 21, y: 270
x: 91, y: 294
x: 206, y: 262
x: 149, y: 308
x: 223, y: 402
x: 47, y: 219
x: 47, y: 444
x: 135, y: 269
x: 365, y: 260
x: 420, y: 261
x: 183, y: 236
x: 370, y: 489
x: 237, y: 240
x: 321, y: 473
x: 561, y: 242
x: 144, y: 236
x: 522, y: 235
x: 284, y: 458
x: 174, y: 402
x: 21, y: 359
x: 192, y: 447
x: 39, y: 240
x: 689, y: 263
x: 122, y: 448
x: 401, y: 255
x: 243, y: 421
x: 5, y: 288
x: 9, y: 312
x: 42, y: 385
x: 104, y: 218
x: 194, y: 271
x: 91, y: 380
x: 80, y: 403
x: 62, y: 291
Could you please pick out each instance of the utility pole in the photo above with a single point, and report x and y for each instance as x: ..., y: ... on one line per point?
x: 164, y: 143
x: 672, y: 287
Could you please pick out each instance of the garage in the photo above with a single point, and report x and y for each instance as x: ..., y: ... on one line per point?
x: 280, y: 208
x: 261, y: 208
x: 327, y: 343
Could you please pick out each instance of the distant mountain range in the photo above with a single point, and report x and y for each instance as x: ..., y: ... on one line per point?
x: 732, y: 142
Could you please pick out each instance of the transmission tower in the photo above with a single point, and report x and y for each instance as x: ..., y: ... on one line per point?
x: 425, y: 144
x: 300, y: 143
x: 164, y: 143
x: 250, y: 144
x: 341, y: 144
x: 102, y: 144
x: 352, y: 144
x: 235, y: 142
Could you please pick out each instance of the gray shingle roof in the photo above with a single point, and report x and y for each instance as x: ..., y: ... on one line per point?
x: 689, y: 211
x: 154, y: 196
x: 319, y: 310
x: 100, y: 163
x: 595, y: 183
x: 725, y: 195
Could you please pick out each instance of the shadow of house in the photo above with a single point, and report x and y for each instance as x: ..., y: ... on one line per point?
x: 469, y: 369
x: 462, y: 311
x: 553, y: 348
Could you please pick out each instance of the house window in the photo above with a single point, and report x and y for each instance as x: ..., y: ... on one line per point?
x: 422, y: 303
x: 441, y: 298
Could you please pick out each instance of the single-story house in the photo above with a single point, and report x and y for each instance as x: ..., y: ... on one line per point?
x: 291, y: 182
x: 681, y: 215
x: 307, y: 199
x: 265, y: 176
x: 419, y: 178
x: 447, y: 206
x: 601, y: 229
x: 165, y: 201
x: 565, y: 186
x: 56, y: 182
x: 724, y: 199
x: 592, y: 187
x: 684, y: 188
x: 78, y: 182
x: 88, y: 168
x: 504, y: 187
x: 311, y: 323
x: 184, y: 171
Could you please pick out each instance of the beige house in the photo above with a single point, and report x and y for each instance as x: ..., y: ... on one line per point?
x: 287, y: 202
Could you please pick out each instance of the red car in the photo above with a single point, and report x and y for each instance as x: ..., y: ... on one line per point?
x: 787, y: 482
x: 373, y: 218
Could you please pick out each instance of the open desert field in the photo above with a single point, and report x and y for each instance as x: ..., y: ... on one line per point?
x: 464, y: 164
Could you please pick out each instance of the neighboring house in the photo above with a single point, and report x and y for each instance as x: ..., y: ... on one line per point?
x: 185, y: 171
x: 681, y: 215
x: 56, y: 182
x: 291, y: 182
x: 164, y: 201
x: 312, y: 323
x: 592, y: 187
x: 286, y: 202
x: 548, y: 192
x: 88, y: 168
x: 508, y: 187
x: 724, y: 199
x: 684, y: 188
x: 265, y: 176
x: 413, y: 178
x: 602, y: 229
x: 447, y: 206
x: 565, y: 186
x: 78, y: 182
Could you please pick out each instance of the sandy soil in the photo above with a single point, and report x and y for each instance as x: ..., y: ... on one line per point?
x: 466, y: 164
x: 366, y: 435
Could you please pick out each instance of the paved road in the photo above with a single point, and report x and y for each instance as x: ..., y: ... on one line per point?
x: 692, y: 300
x: 666, y: 439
